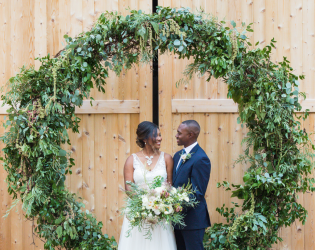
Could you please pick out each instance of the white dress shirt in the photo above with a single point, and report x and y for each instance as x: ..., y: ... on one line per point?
x: 188, y: 149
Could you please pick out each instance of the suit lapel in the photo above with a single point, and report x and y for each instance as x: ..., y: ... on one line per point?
x: 193, y: 153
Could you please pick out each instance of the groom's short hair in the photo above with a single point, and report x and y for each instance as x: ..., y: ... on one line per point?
x: 193, y: 126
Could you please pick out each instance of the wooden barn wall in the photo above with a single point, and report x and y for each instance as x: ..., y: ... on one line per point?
x: 32, y: 28
x: 291, y: 23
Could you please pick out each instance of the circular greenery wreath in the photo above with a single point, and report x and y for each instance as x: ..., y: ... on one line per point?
x: 42, y: 104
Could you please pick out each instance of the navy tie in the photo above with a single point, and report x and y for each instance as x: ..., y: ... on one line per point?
x: 181, y: 160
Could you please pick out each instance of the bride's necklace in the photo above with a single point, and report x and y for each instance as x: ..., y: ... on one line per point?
x: 149, y: 159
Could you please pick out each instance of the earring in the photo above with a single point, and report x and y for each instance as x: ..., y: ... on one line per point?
x: 145, y: 143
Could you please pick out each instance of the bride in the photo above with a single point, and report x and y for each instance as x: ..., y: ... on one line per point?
x: 141, y: 168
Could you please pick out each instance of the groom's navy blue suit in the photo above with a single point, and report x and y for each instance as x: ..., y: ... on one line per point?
x: 195, y: 170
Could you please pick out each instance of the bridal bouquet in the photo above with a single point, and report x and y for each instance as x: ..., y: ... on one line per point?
x: 157, y: 203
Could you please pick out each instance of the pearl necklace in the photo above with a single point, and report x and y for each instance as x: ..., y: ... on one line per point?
x: 149, y: 159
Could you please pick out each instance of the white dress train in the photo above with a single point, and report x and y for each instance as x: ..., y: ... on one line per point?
x: 162, y: 238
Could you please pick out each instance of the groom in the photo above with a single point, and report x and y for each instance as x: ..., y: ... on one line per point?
x: 192, y: 164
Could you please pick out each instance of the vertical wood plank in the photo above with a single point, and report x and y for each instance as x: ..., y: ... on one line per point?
x: 29, y: 8
x: 75, y: 28
x: 259, y: 22
x: 247, y: 16
x: 5, y: 73
x: 235, y: 171
x: 112, y: 176
x: 88, y: 18
x: 212, y: 85
x: 308, y: 49
x: 88, y: 175
x: 5, y: 200
x: 309, y: 198
x: 177, y: 119
x: 283, y: 34
x: 296, y: 18
x: 145, y: 78
x: 76, y: 10
x: 65, y: 22
x: 53, y: 34
x: 201, y: 119
x: 21, y: 48
x: 222, y: 10
x: 212, y: 150
x: 134, y: 121
x: 223, y: 156
x: 123, y: 153
x: 40, y: 30
x: 271, y: 25
x: 76, y: 154
x: 165, y: 101
x: 145, y: 93
x: 64, y: 29
x: 100, y: 144
x: 283, y: 50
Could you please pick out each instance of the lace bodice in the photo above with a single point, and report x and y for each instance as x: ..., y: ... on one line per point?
x: 142, y: 176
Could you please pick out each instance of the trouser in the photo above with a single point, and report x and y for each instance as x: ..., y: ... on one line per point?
x: 189, y: 239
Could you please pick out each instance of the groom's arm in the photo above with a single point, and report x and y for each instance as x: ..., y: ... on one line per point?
x: 200, y: 176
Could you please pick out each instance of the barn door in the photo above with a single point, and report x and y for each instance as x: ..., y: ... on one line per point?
x: 107, y: 130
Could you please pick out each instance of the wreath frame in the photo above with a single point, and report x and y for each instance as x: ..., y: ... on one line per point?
x: 42, y: 104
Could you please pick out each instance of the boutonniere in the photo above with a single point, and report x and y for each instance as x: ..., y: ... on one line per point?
x: 185, y: 157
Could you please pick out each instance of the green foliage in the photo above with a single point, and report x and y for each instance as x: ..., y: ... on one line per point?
x: 42, y: 104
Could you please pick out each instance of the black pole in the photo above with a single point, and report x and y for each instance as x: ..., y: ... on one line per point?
x: 155, y: 79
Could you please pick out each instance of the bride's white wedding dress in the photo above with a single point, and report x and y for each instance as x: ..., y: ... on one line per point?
x: 162, y: 238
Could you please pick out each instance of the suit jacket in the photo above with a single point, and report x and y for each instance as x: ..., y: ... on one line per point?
x: 197, y: 171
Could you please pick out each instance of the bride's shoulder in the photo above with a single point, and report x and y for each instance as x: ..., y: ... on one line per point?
x: 167, y: 156
x: 129, y: 160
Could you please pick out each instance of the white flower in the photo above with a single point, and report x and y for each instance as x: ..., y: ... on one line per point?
x: 183, y: 157
x: 185, y: 197
x: 145, y: 200
x: 168, y: 209
x: 159, y: 190
x: 156, y: 209
x: 158, y: 199
x: 148, y: 202
x: 174, y: 190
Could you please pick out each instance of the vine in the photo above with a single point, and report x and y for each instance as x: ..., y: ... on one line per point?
x: 42, y: 105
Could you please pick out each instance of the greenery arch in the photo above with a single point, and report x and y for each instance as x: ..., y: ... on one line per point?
x: 42, y: 104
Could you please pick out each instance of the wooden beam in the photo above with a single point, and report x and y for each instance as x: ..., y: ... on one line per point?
x: 203, y: 106
x: 220, y: 106
x: 100, y: 107
x: 109, y: 107
x: 178, y: 106
x: 308, y: 104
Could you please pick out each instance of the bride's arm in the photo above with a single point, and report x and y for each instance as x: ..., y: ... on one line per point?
x: 128, y: 172
x: 169, y: 168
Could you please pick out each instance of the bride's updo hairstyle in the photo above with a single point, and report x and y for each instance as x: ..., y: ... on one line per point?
x: 145, y: 131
